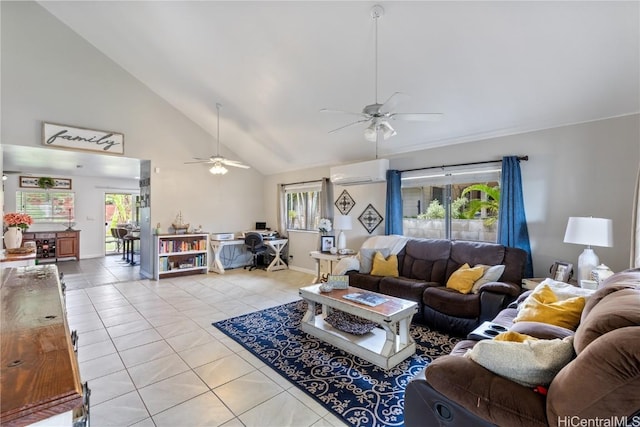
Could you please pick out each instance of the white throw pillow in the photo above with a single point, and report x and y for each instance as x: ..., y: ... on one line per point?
x: 530, y: 363
x: 491, y: 274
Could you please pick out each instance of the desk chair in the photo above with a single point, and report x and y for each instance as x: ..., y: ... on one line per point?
x: 255, y: 245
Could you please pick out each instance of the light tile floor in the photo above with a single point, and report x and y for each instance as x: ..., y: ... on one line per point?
x: 152, y: 358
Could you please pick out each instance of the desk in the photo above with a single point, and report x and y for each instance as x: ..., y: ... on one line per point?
x: 331, y: 259
x: 277, y: 245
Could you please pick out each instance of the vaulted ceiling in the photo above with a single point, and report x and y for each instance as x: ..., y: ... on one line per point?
x: 492, y: 68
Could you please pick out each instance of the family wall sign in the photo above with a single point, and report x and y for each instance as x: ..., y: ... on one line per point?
x: 76, y: 138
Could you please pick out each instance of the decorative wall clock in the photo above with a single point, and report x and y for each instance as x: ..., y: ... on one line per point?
x: 345, y: 202
x: 370, y: 218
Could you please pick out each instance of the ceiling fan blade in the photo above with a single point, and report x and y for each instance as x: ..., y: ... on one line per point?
x: 417, y: 117
x: 350, y: 124
x: 234, y: 163
x: 199, y: 161
x: 390, y: 104
x: 326, y: 110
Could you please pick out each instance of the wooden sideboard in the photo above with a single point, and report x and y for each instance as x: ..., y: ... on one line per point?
x: 39, y: 373
x: 51, y: 245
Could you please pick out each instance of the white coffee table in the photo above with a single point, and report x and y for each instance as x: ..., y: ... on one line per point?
x: 385, y: 346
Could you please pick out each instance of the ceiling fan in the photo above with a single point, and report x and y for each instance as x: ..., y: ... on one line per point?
x: 379, y: 114
x: 217, y: 160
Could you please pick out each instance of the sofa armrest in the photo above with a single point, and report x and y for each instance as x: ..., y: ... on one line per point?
x: 502, y: 288
x: 485, y: 394
x: 491, y: 304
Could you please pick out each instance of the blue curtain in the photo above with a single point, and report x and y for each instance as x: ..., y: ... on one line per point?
x: 393, y: 221
x: 512, y: 229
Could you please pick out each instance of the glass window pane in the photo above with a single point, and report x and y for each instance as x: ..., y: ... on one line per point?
x: 47, y: 206
x: 456, y: 205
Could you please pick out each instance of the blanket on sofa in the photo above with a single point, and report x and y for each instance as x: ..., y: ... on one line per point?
x: 394, y: 243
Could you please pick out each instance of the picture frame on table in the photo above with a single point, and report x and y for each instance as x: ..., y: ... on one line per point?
x: 326, y: 243
x: 561, y: 271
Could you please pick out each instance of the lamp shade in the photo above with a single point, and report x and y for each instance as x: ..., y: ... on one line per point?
x: 342, y: 222
x: 589, y: 231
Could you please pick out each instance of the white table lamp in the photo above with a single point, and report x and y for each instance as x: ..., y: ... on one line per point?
x: 591, y: 232
x: 342, y: 222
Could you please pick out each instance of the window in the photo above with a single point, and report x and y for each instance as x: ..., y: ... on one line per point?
x: 302, y: 203
x: 452, y: 203
x: 47, y: 206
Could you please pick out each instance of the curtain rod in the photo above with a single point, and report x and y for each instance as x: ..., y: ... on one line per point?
x: 521, y: 158
x: 304, y: 182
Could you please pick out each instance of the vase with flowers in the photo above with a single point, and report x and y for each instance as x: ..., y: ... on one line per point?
x: 16, y: 223
x: 324, y: 227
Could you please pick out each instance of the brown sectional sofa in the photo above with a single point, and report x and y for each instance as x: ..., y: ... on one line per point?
x: 424, y: 265
x: 601, y: 383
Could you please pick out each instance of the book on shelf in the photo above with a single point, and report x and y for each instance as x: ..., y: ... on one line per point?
x: 366, y: 298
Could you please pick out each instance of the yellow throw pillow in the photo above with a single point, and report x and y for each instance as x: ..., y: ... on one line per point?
x: 513, y: 336
x: 545, y: 307
x: 384, y: 267
x: 462, y: 279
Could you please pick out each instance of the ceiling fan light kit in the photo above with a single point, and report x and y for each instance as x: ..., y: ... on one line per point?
x: 217, y: 160
x: 379, y: 114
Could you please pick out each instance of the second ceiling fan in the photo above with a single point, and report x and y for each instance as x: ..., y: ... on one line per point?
x: 379, y: 115
x: 217, y: 160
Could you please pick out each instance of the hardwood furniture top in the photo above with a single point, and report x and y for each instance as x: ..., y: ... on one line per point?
x: 39, y: 374
x: 58, y: 233
x: 393, y: 306
x: 5, y: 257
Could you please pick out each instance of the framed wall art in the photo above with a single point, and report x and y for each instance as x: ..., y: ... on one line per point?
x: 345, y: 202
x: 83, y: 139
x: 45, y: 183
x: 370, y: 218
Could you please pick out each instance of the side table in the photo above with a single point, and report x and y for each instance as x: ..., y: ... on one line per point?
x: 329, y: 260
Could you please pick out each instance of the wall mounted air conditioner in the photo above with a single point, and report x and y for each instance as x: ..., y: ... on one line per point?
x: 360, y: 173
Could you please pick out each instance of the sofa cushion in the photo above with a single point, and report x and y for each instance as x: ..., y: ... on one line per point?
x: 615, y: 310
x: 401, y: 287
x: 452, y: 302
x: 463, y: 278
x: 424, y: 259
x: 544, y: 331
x: 365, y: 281
x: 366, y: 258
x: 474, y: 253
x: 602, y: 382
x: 384, y: 266
x: 543, y: 306
x: 491, y: 397
x: 531, y: 362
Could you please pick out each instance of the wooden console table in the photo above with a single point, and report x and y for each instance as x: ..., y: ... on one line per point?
x: 39, y: 374
x: 52, y: 245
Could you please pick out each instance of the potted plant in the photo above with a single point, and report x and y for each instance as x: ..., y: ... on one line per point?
x: 46, y: 182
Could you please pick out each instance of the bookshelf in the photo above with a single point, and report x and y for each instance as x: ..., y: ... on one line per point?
x: 180, y: 255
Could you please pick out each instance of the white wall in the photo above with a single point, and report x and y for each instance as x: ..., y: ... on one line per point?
x: 580, y: 170
x: 51, y: 74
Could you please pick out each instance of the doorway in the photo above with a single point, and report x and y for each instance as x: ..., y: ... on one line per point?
x: 119, y: 211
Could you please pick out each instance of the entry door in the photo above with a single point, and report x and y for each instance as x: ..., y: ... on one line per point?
x: 119, y: 209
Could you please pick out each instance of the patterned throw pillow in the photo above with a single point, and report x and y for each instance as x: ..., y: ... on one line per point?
x: 349, y: 323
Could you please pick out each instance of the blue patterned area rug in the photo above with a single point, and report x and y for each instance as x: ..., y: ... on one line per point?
x: 357, y: 391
